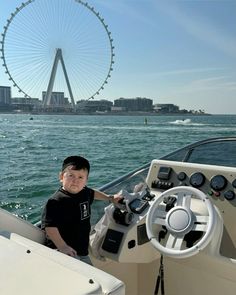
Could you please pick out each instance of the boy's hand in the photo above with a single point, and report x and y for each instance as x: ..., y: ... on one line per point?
x: 117, y: 198
x: 68, y: 250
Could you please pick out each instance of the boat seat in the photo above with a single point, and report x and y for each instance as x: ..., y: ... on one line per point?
x: 109, y: 284
x: 13, y: 224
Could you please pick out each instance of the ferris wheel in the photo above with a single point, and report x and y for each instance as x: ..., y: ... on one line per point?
x: 59, y: 45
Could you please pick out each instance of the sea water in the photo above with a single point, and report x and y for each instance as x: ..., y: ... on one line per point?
x: 34, y: 146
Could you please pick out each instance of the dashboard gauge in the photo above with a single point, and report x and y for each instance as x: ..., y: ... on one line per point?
x: 234, y: 183
x: 229, y: 195
x: 218, y: 182
x: 197, y: 179
x: 181, y: 176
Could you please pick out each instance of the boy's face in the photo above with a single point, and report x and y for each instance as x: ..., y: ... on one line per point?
x: 73, y: 181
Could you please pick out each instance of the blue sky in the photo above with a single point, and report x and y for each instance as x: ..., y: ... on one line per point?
x: 180, y: 52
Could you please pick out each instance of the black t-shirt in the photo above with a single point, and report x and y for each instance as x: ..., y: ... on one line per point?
x: 70, y: 213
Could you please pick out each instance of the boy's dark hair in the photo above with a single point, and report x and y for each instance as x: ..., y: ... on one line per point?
x: 77, y: 162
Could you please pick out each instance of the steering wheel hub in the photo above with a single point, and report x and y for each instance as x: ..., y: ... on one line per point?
x: 179, y: 220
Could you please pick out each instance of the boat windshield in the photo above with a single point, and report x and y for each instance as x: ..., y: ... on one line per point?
x: 215, y: 151
x: 220, y: 153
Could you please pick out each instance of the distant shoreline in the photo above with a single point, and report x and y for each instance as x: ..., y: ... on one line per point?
x: 107, y: 114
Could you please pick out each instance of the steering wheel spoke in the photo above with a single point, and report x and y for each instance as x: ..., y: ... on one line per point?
x: 187, y: 201
x: 184, y: 200
x: 174, y: 242
x: 201, y: 223
x: 160, y: 217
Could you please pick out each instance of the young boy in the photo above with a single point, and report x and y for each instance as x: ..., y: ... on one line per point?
x: 66, y: 215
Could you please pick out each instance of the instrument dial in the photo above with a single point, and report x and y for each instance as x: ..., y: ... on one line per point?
x: 181, y: 176
x: 197, y: 179
x: 229, y: 195
x: 234, y: 183
x: 218, y: 182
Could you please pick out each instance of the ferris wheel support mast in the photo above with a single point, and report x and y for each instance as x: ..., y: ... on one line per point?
x: 58, y: 57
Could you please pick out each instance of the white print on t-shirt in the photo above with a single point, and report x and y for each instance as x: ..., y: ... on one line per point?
x: 84, y: 209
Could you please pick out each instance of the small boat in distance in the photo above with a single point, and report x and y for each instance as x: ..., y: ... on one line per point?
x: 174, y: 234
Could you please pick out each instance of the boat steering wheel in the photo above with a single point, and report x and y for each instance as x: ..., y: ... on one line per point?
x: 179, y: 221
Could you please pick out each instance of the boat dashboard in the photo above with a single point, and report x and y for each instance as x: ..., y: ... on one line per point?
x: 127, y: 238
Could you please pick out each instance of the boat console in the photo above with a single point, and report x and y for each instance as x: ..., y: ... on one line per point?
x: 217, y: 183
x: 127, y: 236
x: 185, y: 214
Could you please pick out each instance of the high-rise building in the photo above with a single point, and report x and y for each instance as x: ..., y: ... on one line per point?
x: 140, y: 104
x: 5, y: 95
x: 166, y: 108
x: 57, y: 99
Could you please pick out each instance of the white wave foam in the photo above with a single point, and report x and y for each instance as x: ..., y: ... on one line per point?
x: 182, y: 122
x: 185, y: 122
